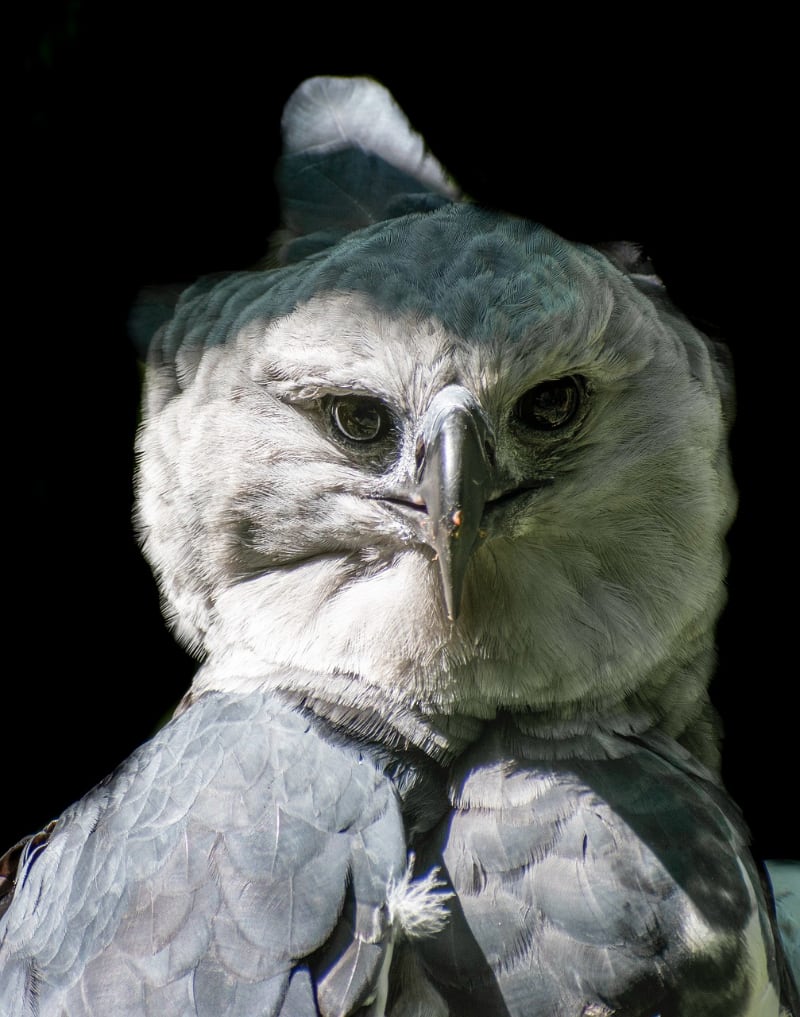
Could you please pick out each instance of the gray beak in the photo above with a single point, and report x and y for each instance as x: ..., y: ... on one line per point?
x: 455, y: 474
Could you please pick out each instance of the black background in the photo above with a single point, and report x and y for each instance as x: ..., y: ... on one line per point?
x: 149, y: 140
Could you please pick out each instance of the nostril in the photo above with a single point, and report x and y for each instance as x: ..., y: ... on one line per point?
x: 488, y: 448
x: 419, y: 453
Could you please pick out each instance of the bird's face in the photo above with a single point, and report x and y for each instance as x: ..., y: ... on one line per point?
x: 466, y: 462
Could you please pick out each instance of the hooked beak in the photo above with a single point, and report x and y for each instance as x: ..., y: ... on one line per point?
x: 455, y: 474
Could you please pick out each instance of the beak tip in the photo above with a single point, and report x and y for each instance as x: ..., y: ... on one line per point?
x: 452, y: 581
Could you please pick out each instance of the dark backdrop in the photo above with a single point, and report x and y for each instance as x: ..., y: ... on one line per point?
x: 149, y: 142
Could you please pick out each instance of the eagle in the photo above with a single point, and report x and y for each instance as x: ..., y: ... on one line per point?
x: 439, y: 500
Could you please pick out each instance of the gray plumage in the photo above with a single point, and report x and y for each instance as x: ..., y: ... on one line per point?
x: 441, y: 500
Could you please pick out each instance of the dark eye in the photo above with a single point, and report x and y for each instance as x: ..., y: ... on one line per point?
x: 551, y: 405
x: 360, y: 418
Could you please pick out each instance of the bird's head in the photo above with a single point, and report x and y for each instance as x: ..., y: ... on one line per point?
x: 446, y: 457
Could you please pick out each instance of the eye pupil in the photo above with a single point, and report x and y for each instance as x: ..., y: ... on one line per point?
x: 548, y: 406
x: 360, y: 418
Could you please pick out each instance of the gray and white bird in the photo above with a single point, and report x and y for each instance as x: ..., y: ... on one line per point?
x: 440, y: 500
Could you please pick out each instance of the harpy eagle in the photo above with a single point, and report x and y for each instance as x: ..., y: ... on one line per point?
x: 440, y: 500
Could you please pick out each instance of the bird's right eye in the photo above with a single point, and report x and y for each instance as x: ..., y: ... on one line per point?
x: 360, y: 418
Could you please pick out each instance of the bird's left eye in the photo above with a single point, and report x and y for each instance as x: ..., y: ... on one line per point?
x: 360, y: 418
x: 550, y: 405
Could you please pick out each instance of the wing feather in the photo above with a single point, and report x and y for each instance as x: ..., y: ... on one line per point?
x: 621, y: 877
x: 207, y: 872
